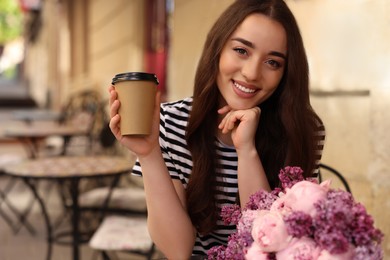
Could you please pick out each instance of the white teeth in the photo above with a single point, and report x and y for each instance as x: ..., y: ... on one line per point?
x: 244, y: 89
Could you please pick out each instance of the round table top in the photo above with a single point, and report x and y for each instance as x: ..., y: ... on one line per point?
x: 36, y: 115
x: 42, y: 131
x: 70, y: 167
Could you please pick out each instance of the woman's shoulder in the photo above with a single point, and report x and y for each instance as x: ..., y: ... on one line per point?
x: 180, y: 107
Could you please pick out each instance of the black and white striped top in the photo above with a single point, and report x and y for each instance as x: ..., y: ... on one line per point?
x: 173, y: 122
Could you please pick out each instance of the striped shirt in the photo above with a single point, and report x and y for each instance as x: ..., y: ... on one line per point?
x: 173, y: 121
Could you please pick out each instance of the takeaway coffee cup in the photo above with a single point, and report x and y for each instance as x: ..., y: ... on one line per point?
x: 136, y: 93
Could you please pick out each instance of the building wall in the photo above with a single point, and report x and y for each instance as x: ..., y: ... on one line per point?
x: 191, y: 22
x: 115, y: 38
x: 83, y: 44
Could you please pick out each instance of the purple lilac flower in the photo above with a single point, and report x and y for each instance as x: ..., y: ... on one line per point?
x: 276, y: 191
x: 370, y: 252
x: 216, y: 253
x: 246, y: 222
x: 340, y: 212
x: 299, y: 224
x: 332, y: 239
x: 331, y: 223
x: 260, y: 200
x: 237, y: 244
x: 363, y: 228
x: 231, y: 214
x: 290, y: 175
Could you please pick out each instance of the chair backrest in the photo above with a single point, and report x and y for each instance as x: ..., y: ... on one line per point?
x: 106, y: 137
x: 84, y: 108
x: 328, y: 172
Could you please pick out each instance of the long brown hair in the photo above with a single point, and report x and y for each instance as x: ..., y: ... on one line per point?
x: 287, y: 122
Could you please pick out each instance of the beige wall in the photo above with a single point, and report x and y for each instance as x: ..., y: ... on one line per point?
x: 116, y: 39
x: 191, y: 22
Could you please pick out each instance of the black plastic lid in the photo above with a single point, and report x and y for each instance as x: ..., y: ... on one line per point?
x: 135, y: 76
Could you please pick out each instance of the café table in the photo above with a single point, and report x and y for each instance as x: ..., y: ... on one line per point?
x: 70, y: 169
x: 30, y: 116
x: 31, y: 135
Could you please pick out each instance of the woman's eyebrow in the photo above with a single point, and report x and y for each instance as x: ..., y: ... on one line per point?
x: 245, y: 42
x: 278, y: 54
x: 251, y: 45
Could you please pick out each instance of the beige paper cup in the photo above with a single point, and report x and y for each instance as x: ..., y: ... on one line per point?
x: 136, y: 93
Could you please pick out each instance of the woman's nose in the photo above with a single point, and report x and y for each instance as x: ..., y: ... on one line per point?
x: 251, y: 70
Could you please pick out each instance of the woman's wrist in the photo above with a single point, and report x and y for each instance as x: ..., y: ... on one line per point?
x: 149, y: 157
x: 249, y: 151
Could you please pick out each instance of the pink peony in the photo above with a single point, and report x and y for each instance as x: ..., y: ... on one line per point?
x: 300, y: 249
x: 269, y: 231
x: 255, y: 253
x: 301, y: 197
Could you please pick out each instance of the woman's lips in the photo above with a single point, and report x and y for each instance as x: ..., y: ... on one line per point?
x: 243, y: 91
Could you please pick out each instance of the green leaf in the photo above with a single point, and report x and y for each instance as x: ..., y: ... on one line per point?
x: 11, y: 21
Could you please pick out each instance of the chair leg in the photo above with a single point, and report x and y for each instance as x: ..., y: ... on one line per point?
x: 21, y: 216
x: 105, y: 255
x: 151, y: 252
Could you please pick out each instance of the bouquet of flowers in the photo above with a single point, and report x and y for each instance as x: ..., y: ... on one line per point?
x: 302, y: 220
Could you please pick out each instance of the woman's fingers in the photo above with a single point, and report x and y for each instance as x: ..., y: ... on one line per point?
x: 114, y: 126
x: 229, y: 122
x: 114, y: 108
x: 224, y: 110
x: 113, y: 94
x: 233, y: 118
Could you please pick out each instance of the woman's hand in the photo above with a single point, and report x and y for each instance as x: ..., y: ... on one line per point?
x: 242, y: 124
x: 140, y: 145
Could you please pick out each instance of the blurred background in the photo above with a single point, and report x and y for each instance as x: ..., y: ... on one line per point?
x: 51, y: 48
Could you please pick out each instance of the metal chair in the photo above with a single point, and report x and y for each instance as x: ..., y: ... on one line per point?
x: 124, y: 228
x: 83, y: 108
x: 12, y: 215
x: 326, y: 169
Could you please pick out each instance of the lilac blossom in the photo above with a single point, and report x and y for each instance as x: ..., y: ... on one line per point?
x: 231, y: 214
x: 290, y: 175
x: 370, y: 252
x: 216, y: 253
x: 299, y: 224
x: 260, y: 200
x: 340, y: 221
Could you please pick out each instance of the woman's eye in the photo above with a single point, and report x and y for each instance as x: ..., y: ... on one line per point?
x: 274, y: 64
x: 240, y: 51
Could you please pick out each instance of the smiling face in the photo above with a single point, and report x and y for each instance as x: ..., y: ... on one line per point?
x: 252, y: 62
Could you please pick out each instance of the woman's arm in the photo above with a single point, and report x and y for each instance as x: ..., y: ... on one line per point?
x: 169, y: 224
x: 242, y: 126
x: 251, y: 174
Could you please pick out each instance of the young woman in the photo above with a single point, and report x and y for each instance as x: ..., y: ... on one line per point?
x: 250, y: 115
